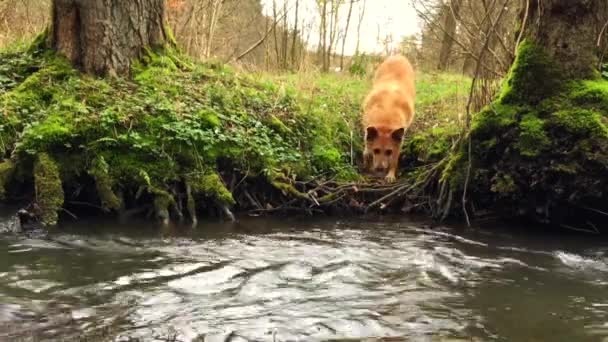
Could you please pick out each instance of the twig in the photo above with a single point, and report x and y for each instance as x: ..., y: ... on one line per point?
x: 579, y: 229
x: 597, y: 211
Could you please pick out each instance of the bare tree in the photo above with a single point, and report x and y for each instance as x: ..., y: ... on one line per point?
x: 360, y: 24
x: 345, y: 35
x: 214, y: 15
x: 285, y: 43
x: 322, y: 49
x: 295, y: 35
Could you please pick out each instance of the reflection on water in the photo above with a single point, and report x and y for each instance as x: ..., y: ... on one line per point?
x: 307, y: 281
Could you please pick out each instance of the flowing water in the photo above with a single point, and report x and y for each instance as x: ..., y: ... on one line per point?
x: 290, y: 280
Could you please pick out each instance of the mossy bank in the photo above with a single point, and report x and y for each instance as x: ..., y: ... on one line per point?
x: 180, y: 140
x: 174, y: 140
x: 541, y: 148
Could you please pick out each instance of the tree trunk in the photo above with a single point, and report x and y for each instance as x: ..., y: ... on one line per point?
x: 541, y: 149
x: 323, y: 31
x: 449, y: 11
x: 568, y: 32
x: 285, y: 43
x: 216, y: 9
x: 359, y: 24
x: 103, y: 37
x: 350, y: 12
x: 296, y: 33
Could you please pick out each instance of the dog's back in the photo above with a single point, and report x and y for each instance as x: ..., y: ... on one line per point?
x: 388, y: 111
x: 394, y: 86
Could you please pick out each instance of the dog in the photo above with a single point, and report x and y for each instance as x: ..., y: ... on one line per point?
x: 388, y: 111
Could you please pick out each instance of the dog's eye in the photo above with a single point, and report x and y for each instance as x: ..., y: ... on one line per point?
x: 377, y: 151
x: 388, y: 152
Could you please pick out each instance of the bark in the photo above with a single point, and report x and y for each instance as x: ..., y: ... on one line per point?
x: 568, y: 32
x: 103, y: 37
x: 450, y: 12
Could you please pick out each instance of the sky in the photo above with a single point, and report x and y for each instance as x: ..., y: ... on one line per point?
x: 396, y: 18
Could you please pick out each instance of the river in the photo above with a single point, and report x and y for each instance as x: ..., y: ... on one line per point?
x: 303, y: 280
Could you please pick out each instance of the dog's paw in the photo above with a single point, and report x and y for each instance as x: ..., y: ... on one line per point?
x: 390, y: 178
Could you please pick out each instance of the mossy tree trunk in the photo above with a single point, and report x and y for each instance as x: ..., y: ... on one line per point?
x: 103, y: 37
x: 541, y: 148
x: 568, y: 32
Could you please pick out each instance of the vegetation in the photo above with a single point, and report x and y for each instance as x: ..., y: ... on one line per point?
x: 541, y: 149
x: 178, y: 136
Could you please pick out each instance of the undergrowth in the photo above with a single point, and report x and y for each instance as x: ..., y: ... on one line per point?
x: 176, y: 132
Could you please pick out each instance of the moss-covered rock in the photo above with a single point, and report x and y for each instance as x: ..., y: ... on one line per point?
x: 49, y: 190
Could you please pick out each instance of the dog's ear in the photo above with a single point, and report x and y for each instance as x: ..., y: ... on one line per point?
x: 398, y: 134
x: 372, y: 134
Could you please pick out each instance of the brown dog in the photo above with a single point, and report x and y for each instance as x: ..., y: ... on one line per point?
x: 388, y: 111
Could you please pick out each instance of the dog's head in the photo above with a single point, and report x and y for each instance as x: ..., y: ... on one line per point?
x: 384, y: 145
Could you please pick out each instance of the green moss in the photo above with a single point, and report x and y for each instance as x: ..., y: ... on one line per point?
x: 104, y: 184
x: 288, y: 189
x: 454, y: 171
x: 431, y: 145
x: 532, y: 136
x: 49, y: 190
x: 169, y: 34
x: 209, y: 119
x: 326, y: 157
x: 163, y: 201
x: 494, y: 118
x: 580, y: 123
x: 210, y: 185
x: 532, y: 78
x: 278, y: 125
x: 7, y: 170
x: 592, y: 93
x: 40, y: 43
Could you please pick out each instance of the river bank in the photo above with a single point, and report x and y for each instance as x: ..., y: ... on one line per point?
x: 179, y: 140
